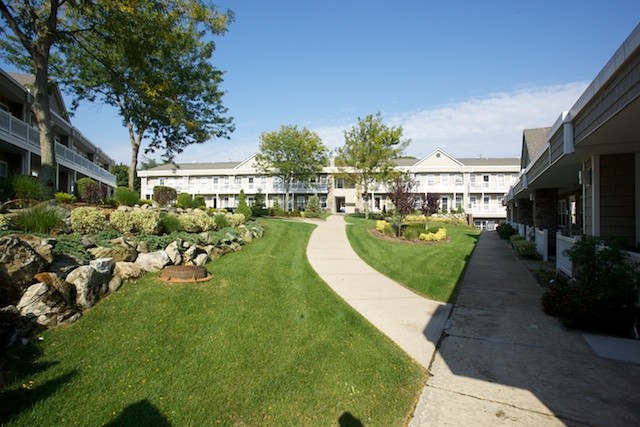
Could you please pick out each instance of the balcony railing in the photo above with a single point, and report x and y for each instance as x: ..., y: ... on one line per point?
x: 29, y: 134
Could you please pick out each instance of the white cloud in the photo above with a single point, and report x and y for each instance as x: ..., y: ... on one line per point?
x: 490, y: 126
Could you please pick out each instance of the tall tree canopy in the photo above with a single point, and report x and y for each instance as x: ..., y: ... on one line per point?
x: 291, y: 153
x: 368, y: 152
x: 149, y: 59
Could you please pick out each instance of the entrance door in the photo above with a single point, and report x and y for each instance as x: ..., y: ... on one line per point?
x: 340, y: 207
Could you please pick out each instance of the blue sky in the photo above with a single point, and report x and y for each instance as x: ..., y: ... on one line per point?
x: 464, y: 76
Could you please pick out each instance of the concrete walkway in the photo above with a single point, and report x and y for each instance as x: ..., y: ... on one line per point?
x: 415, y: 323
x: 502, y: 361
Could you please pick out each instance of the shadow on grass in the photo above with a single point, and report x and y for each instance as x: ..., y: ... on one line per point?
x: 14, y: 402
x: 348, y: 420
x: 140, y: 414
x: 456, y: 289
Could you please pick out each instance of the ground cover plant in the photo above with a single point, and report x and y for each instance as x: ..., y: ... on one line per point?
x: 431, y: 270
x: 265, y: 342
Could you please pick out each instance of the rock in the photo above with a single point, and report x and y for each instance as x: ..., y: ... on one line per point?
x: 174, y: 253
x: 153, y: 261
x: 235, y: 246
x: 200, y: 259
x: 128, y: 270
x: 186, y: 245
x: 115, y: 283
x: 103, y: 265
x: 118, y: 253
x: 213, y: 252
x: 189, y: 255
x: 54, y: 281
x: 64, y: 264
x: 44, y: 247
x: 13, y: 327
x: 19, y: 262
x: 142, y: 247
x: 89, y: 284
x: 247, y: 236
x: 87, y: 242
x: 45, y: 305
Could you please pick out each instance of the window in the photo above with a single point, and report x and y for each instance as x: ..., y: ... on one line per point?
x: 431, y: 179
x: 472, y: 179
x: 323, y: 201
x: 263, y: 182
x: 562, y: 213
x: 300, y: 203
x: 238, y: 180
x: 458, y: 202
x: 161, y: 181
x: 203, y: 182
x: 445, y: 204
x: 250, y: 179
x: 170, y: 182
x: 339, y: 182
x: 251, y: 201
x: 472, y: 201
x: 225, y: 202
x: 501, y: 180
x: 215, y: 181
x: 444, y: 178
x: 4, y: 169
x: 485, y: 181
x: 487, y: 201
x: 459, y: 179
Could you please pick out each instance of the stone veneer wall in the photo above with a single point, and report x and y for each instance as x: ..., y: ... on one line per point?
x: 525, y: 211
x: 545, y: 209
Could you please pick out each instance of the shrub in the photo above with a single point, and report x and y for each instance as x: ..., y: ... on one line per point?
x: 415, y: 218
x: 39, y: 219
x: 196, y: 222
x: 258, y: 209
x: 198, y: 202
x: 313, y: 210
x: 505, y: 230
x: 412, y: 233
x: 243, y: 208
x: 185, y: 201
x: 169, y: 223
x: 88, y: 220
x: 220, y: 221
x: 26, y: 187
x: 122, y: 221
x: 457, y: 219
x: 236, y: 219
x: 438, y: 236
x: 515, y: 237
x: 126, y: 196
x: 62, y: 197
x: 146, y: 202
x: 164, y: 195
x: 4, y: 222
x: 526, y: 248
x: 89, y: 191
x: 146, y: 220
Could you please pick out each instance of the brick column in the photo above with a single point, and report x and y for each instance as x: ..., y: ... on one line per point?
x: 525, y: 212
x: 545, y: 209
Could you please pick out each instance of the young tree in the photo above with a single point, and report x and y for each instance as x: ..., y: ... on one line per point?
x: 401, y: 194
x: 368, y: 152
x: 151, y: 60
x: 243, y: 208
x: 431, y: 204
x: 258, y: 209
x: 291, y: 153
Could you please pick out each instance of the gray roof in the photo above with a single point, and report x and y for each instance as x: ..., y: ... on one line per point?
x: 196, y: 166
x: 24, y: 79
x: 405, y: 161
x: 533, y: 143
x: 507, y: 161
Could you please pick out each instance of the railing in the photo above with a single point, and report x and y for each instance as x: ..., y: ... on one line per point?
x: 563, y: 262
x: 542, y: 243
x: 89, y: 167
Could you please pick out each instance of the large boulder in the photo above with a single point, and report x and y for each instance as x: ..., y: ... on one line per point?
x: 173, y: 252
x: 45, y: 306
x: 128, y: 270
x: 19, y: 262
x: 118, y: 253
x: 44, y: 247
x: 52, y: 280
x: 153, y: 261
x: 200, y: 259
x: 90, y: 285
x: 189, y: 255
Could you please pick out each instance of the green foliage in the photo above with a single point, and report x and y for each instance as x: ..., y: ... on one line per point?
x: 69, y: 244
x: 127, y: 197
x: 4, y: 222
x: 135, y: 221
x: 291, y: 153
x: 196, y: 222
x: 169, y: 223
x: 39, y: 219
x: 412, y: 231
x: 243, y: 208
x: 235, y: 219
x: 368, y: 152
x: 185, y: 201
x: 313, y: 210
x: 89, y: 191
x: 88, y: 220
x: 431, y: 204
x: 121, y: 171
x: 198, y: 202
x: 26, y: 187
x: 526, y: 248
x: 62, y: 197
x: 258, y: 209
x: 505, y: 230
x: 515, y: 237
x: 602, y: 296
x: 163, y: 196
x: 220, y: 221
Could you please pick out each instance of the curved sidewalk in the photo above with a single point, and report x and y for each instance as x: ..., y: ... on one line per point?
x: 413, y: 322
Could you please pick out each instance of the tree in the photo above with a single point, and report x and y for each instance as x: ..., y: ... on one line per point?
x: 33, y: 29
x: 431, y: 204
x: 258, y: 209
x: 243, y: 208
x: 368, y: 152
x: 151, y: 61
x: 401, y: 194
x: 121, y: 171
x: 291, y: 153
x: 313, y: 209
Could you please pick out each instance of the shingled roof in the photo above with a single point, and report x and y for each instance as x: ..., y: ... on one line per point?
x: 533, y: 143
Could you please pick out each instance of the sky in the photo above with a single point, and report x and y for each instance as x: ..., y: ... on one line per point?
x: 463, y: 76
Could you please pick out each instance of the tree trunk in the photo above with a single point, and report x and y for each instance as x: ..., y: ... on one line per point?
x: 135, y: 149
x: 287, y: 184
x: 41, y: 109
x: 366, y: 199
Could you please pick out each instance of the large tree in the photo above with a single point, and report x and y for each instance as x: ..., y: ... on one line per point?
x: 368, y: 153
x: 291, y: 153
x: 151, y: 61
x: 33, y: 29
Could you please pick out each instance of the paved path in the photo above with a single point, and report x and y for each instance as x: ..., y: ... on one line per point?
x: 504, y: 362
x: 415, y: 323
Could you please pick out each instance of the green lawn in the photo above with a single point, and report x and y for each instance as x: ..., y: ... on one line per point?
x: 432, y: 270
x: 266, y: 342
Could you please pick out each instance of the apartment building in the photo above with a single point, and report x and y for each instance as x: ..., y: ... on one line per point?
x: 581, y: 176
x: 76, y: 156
x: 475, y: 186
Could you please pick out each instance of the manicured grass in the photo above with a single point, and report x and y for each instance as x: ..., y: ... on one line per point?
x: 265, y: 342
x: 431, y: 270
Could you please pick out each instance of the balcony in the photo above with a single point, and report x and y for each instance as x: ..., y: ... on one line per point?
x: 30, y: 139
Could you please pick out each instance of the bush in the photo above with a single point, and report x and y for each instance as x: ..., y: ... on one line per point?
x: 39, y: 219
x: 62, y: 197
x: 135, y: 221
x: 26, y: 187
x: 514, y: 238
x: 184, y: 200
x: 196, y: 222
x: 4, y: 222
x: 438, y: 236
x: 258, y: 209
x: 235, y: 219
x: 89, y: 191
x: 146, y: 202
x: 126, y: 196
x: 415, y: 218
x: 313, y: 210
x: 163, y: 196
x: 526, y: 248
x: 169, y: 223
x: 198, y: 202
x: 243, y: 208
x: 88, y: 220
x: 220, y: 221
x: 506, y: 230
